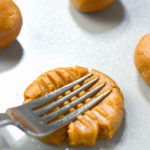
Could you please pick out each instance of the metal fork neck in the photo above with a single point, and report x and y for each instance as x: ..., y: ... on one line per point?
x: 5, y: 120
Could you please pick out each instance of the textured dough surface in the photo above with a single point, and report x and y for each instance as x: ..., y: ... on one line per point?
x: 91, y: 5
x: 142, y: 58
x: 10, y: 22
x: 101, y: 122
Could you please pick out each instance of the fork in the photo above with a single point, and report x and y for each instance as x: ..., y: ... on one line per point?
x: 33, y: 117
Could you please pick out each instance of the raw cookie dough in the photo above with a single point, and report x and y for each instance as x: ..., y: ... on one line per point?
x: 91, y: 5
x: 142, y: 58
x: 10, y: 22
x: 101, y: 122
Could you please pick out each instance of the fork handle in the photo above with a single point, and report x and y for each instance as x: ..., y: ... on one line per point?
x: 5, y: 120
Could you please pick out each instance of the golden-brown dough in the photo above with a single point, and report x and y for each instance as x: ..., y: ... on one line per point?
x: 142, y: 58
x: 91, y: 5
x: 10, y: 22
x: 100, y: 122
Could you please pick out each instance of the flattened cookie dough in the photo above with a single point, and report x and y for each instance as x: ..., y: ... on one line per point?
x: 102, y: 121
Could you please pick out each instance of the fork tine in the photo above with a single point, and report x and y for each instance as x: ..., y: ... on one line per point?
x: 64, y: 109
x: 65, y: 120
x: 65, y: 98
x: 47, y: 98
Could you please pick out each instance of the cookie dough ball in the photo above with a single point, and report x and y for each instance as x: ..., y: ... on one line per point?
x: 142, y: 58
x: 10, y: 22
x: 91, y: 5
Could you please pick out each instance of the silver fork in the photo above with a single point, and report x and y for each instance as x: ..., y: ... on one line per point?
x: 34, y: 120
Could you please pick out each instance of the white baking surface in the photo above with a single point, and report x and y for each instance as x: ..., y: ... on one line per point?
x: 55, y: 34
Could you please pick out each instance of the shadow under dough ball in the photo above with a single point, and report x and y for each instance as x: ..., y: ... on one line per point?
x: 142, y: 58
x: 91, y: 5
x: 10, y: 22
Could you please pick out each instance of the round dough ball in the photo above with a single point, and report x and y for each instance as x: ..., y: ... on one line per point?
x: 10, y: 22
x: 91, y: 5
x: 142, y: 58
